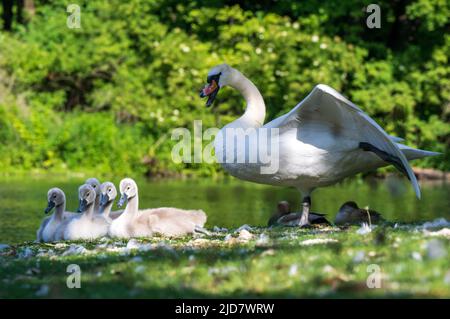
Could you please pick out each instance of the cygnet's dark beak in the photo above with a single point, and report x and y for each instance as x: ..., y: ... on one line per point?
x: 122, y: 200
x: 82, y: 206
x: 50, y: 206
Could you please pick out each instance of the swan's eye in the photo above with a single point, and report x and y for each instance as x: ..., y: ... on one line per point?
x: 214, y: 77
x: 54, y: 196
x: 128, y: 188
x: 94, y: 186
x: 87, y: 194
x: 109, y: 190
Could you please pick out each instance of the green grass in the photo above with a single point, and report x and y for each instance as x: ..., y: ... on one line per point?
x: 278, y: 264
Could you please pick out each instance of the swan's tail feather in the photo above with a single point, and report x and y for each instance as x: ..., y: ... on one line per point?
x: 413, y: 153
x: 198, y: 217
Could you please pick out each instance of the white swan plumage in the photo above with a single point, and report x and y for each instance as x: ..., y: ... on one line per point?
x: 57, y: 200
x: 167, y: 221
x: 107, y: 197
x: 88, y: 224
x: 322, y: 140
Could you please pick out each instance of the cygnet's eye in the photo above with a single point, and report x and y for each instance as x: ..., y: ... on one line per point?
x: 109, y: 190
x: 54, y: 196
x: 128, y: 188
x: 87, y: 194
x: 94, y: 186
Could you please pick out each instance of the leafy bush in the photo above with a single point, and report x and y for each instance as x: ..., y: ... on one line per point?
x: 107, y: 96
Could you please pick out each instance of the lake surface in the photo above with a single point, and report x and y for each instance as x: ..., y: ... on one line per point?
x: 227, y: 202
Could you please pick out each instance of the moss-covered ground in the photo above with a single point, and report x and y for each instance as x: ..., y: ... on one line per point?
x: 400, y: 261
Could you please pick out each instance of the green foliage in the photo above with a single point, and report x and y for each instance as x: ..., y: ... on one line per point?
x: 107, y: 96
x: 83, y: 139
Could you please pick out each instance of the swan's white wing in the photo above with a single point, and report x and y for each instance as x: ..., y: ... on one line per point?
x: 326, y: 106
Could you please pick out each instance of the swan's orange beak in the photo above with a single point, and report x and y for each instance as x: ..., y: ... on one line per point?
x: 210, y: 90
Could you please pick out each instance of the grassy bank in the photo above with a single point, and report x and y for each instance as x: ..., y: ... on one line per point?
x: 281, y: 262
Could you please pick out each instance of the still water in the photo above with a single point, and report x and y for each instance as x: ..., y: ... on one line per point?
x: 227, y: 202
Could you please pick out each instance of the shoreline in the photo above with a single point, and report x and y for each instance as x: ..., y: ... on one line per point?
x: 422, y: 174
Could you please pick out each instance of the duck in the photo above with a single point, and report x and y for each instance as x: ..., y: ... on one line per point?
x: 56, y: 200
x: 166, y: 221
x: 284, y: 217
x: 108, y: 195
x: 321, y: 141
x: 87, y: 225
x: 95, y: 183
x: 350, y: 213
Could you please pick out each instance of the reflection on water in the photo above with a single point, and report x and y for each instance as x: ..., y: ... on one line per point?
x: 228, y: 203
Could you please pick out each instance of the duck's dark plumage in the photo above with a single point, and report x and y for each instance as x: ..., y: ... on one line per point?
x: 284, y: 217
x: 350, y: 213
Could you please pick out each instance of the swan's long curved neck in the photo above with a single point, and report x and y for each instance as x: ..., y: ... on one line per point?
x: 90, y: 210
x: 97, y: 204
x: 132, y: 206
x: 59, y: 211
x: 105, y: 210
x: 255, y: 112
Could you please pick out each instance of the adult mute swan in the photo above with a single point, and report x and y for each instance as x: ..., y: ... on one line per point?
x: 321, y: 141
x: 165, y: 220
x: 57, y: 200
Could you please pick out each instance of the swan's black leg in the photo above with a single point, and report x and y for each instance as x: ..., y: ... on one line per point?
x: 304, y: 220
